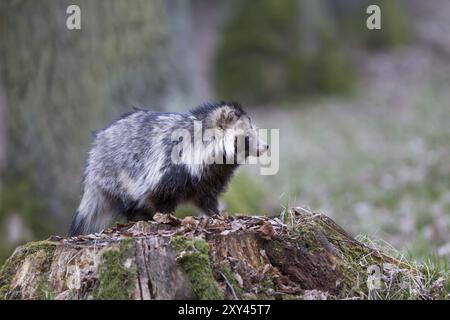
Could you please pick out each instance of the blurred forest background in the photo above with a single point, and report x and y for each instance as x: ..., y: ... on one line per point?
x: 364, y: 115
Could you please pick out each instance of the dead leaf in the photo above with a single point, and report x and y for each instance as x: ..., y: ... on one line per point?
x: 204, y: 221
x: 266, y: 231
x: 236, y: 225
x: 166, y: 219
x: 225, y: 232
x: 189, y: 223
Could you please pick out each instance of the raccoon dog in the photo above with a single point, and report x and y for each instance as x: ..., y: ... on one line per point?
x: 130, y: 169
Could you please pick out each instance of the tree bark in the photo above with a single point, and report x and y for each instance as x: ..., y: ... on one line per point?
x: 297, y: 256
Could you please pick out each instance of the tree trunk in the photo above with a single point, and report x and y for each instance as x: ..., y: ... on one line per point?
x: 297, y: 256
x: 60, y: 85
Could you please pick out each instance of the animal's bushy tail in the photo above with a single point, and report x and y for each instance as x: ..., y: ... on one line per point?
x: 93, y: 215
x: 77, y: 226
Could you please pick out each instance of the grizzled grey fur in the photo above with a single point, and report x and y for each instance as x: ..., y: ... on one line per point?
x: 129, y: 170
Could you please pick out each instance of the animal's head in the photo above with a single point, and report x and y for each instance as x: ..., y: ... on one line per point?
x: 239, y: 135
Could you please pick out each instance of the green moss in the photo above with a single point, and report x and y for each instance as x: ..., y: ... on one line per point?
x: 193, y: 257
x: 230, y: 277
x: 115, y: 281
x: 353, y: 267
x: 267, y: 284
x: 309, y: 239
x: 353, y: 259
x: 42, y: 248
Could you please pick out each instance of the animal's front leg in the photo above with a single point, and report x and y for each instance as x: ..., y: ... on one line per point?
x: 209, y: 205
x: 165, y: 206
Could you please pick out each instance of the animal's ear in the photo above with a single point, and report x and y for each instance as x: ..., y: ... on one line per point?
x: 227, y: 118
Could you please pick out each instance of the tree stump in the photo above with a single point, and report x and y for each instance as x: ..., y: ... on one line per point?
x: 298, y: 255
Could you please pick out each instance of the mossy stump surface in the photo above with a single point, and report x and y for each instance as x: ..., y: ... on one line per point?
x: 298, y: 255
